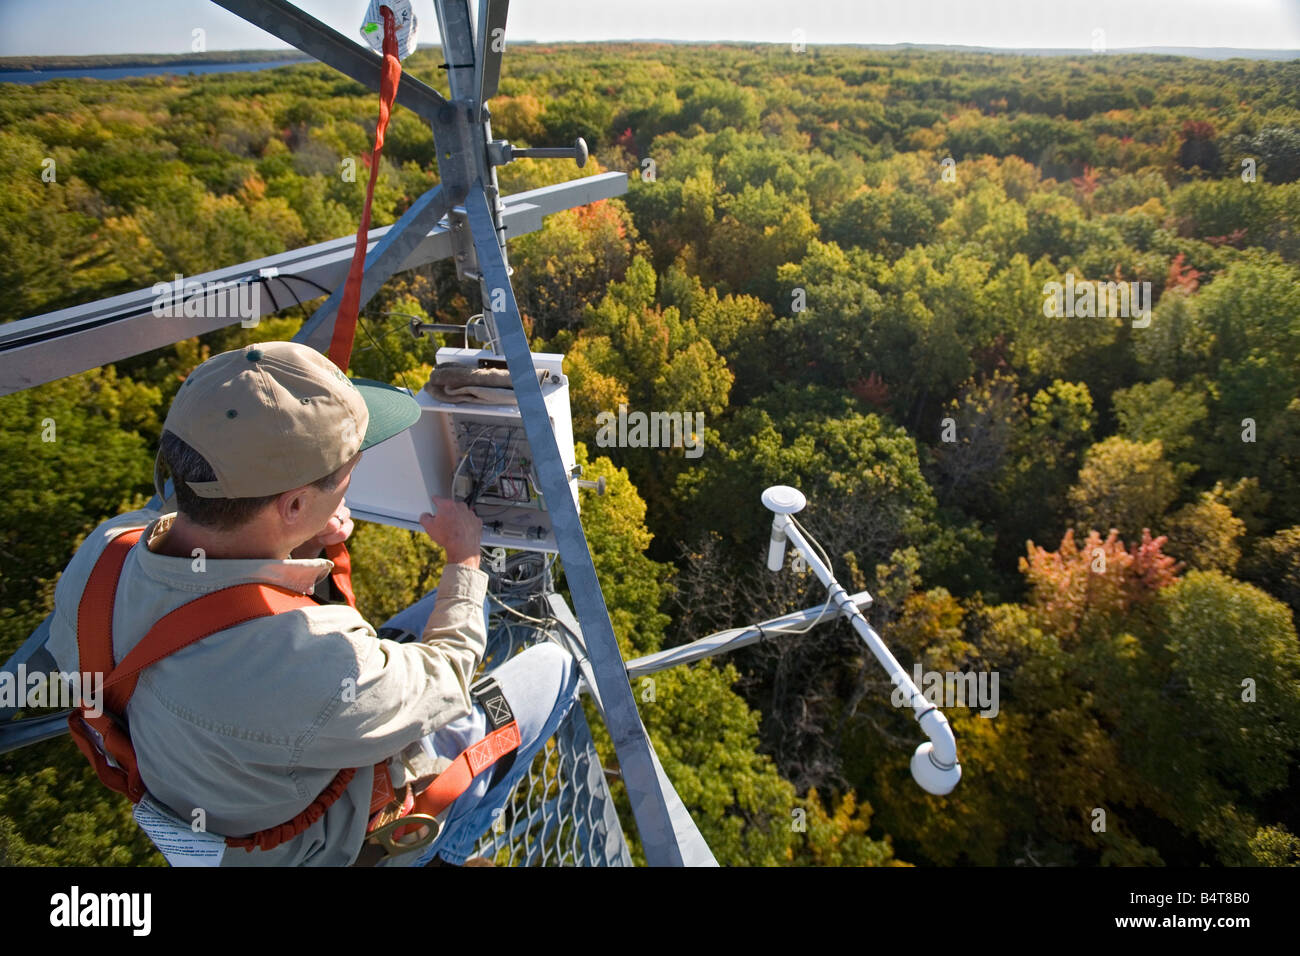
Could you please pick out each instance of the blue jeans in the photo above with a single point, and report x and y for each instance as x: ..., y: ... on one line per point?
x: 540, y: 684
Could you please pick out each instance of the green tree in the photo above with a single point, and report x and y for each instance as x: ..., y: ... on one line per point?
x: 74, y: 455
x: 1204, y: 535
x: 1217, y: 738
x: 1160, y: 410
x: 1124, y: 485
x: 1275, y: 566
x: 633, y: 350
x: 571, y: 262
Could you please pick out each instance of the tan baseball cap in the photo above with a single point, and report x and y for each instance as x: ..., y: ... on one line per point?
x: 279, y: 415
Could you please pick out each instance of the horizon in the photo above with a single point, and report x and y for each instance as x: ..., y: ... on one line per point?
x: 277, y: 54
x: 153, y: 27
x: 430, y: 45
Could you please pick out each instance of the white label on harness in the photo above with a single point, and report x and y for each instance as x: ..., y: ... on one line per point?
x: 175, y: 839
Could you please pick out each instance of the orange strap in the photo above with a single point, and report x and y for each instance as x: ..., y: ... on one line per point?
x: 447, y: 786
x: 345, y: 320
x: 189, y: 623
x: 272, y: 837
x: 502, y: 741
x: 455, y: 780
x: 95, y: 655
x: 342, y: 573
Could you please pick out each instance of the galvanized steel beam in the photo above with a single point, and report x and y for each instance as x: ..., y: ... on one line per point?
x: 287, y: 22
x: 635, y: 756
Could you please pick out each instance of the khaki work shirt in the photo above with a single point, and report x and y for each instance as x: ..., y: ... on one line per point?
x: 253, y: 722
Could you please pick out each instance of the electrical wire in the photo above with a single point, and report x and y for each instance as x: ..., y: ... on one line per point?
x: 825, y: 607
x: 297, y: 301
x: 509, y: 583
x: 490, y: 471
x: 392, y: 366
x: 311, y: 282
x: 266, y: 284
x: 520, y: 614
x: 499, y: 463
x: 811, y: 540
x: 525, y: 575
x: 475, y: 475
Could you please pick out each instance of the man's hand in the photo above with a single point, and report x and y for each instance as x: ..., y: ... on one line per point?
x: 336, y: 531
x: 457, y: 529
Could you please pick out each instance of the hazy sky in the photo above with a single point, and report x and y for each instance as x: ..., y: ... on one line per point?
x: 166, y: 26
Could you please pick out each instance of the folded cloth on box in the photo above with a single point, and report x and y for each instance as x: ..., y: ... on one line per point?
x: 450, y: 382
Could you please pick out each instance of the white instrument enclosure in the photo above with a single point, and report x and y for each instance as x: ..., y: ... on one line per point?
x: 395, y: 480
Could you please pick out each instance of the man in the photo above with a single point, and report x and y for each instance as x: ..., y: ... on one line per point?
x: 257, y: 724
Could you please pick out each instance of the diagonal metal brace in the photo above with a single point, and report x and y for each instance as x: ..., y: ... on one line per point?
x: 624, y: 723
x: 385, y: 259
x: 287, y: 22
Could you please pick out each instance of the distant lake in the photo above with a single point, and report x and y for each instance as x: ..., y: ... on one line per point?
x: 118, y: 72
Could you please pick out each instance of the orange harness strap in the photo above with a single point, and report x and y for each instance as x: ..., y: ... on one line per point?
x: 107, y: 736
x: 386, y: 807
x: 187, y: 624
x: 453, y: 781
x: 342, y: 573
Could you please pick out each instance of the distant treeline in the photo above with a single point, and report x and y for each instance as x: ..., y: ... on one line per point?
x: 107, y: 61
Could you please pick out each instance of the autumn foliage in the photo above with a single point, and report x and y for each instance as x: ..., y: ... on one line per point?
x: 839, y: 259
x: 1182, y: 276
x: 1101, y: 578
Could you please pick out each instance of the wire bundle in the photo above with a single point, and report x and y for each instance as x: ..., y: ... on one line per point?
x: 487, y: 471
x: 525, y: 577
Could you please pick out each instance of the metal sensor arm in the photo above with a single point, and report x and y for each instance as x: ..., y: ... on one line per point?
x: 934, y: 764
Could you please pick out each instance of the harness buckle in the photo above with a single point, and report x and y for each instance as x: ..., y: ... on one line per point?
x: 385, y: 835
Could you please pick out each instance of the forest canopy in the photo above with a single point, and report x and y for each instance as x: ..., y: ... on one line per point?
x: 842, y: 258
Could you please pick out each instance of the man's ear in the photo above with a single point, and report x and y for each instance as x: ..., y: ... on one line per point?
x: 291, y: 506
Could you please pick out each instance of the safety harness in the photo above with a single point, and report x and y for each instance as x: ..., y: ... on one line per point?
x: 399, y: 822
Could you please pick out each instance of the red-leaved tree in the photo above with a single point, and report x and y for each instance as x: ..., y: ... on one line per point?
x: 1100, y: 580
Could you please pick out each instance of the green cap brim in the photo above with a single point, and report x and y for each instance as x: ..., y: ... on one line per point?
x: 392, y: 410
